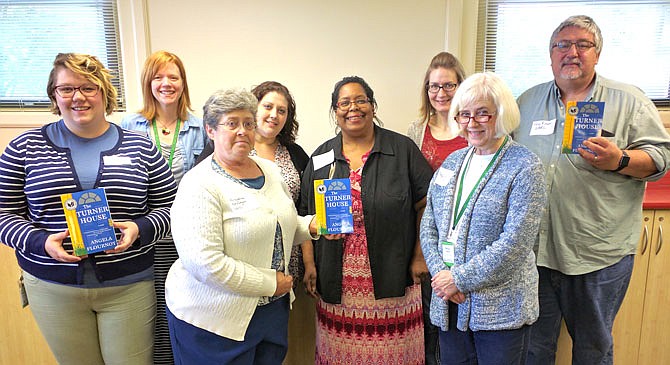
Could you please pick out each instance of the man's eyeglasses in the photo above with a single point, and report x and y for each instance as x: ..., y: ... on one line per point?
x: 345, y: 104
x: 581, y: 46
x: 233, y: 125
x: 435, y: 88
x: 67, y: 92
x: 465, y: 118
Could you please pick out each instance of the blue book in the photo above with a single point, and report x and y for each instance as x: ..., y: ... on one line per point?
x: 332, y: 198
x: 89, y: 221
x: 583, y: 120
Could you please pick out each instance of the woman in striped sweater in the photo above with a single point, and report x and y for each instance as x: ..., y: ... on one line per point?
x: 99, y: 308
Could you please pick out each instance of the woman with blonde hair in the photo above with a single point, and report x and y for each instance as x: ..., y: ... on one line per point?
x: 437, y: 137
x: 99, y: 308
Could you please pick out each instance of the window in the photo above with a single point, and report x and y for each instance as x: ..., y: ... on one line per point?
x: 513, y: 40
x: 35, y: 31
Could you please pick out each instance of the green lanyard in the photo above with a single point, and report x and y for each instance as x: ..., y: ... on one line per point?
x: 174, y: 140
x: 460, y: 184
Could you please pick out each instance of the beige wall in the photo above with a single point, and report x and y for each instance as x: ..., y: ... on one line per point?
x: 308, y: 46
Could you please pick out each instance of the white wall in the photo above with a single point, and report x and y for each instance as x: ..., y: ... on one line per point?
x: 306, y: 45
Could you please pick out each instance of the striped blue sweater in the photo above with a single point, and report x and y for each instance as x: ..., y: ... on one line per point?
x: 34, y: 173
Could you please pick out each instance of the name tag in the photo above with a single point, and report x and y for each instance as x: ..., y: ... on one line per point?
x: 243, y: 203
x: 116, y: 160
x: 323, y: 159
x: 543, y: 127
x: 448, y: 253
x: 443, y: 176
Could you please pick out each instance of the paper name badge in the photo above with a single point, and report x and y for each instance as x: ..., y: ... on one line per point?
x: 543, y: 127
x: 116, y: 160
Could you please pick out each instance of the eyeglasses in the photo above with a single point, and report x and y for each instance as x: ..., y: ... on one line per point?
x: 582, y: 45
x: 479, y: 118
x: 345, y: 104
x: 86, y: 90
x: 233, y: 125
x: 435, y: 88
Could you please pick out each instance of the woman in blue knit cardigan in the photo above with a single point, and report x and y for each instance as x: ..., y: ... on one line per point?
x: 478, y: 230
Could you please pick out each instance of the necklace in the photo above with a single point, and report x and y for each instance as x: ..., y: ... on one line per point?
x: 174, y: 140
x: 164, y: 130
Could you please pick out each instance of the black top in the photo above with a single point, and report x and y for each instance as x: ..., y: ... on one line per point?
x: 394, y: 178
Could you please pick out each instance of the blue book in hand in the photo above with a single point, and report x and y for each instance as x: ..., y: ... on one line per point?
x: 583, y: 120
x: 332, y: 198
x: 89, y: 221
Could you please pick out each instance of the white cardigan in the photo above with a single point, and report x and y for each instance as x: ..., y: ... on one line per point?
x: 224, y: 233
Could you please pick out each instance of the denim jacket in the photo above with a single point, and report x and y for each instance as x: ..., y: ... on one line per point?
x: 191, y: 139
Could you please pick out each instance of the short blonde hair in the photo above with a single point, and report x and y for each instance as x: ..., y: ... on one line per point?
x: 91, y: 69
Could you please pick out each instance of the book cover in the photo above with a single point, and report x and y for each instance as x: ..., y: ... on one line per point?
x: 89, y: 221
x: 583, y: 120
x: 333, y: 206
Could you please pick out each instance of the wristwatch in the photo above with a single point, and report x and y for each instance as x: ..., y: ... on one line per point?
x: 623, y: 162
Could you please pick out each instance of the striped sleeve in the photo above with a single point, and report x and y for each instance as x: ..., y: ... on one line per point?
x: 143, y: 192
x: 30, y: 209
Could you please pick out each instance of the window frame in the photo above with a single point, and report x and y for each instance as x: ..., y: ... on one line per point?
x: 112, y: 45
x: 485, y: 52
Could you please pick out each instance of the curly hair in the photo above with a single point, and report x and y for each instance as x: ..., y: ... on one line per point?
x: 91, y: 69
x: 288, y: 134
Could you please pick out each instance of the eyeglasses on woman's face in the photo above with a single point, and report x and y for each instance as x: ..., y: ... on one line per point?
x: 346, y: 104
x: 479, y: 117
x: 233, y: 125
x: 435, y: 88
x: 67, y: 92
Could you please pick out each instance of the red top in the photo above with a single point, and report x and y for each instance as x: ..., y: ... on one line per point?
x: 436, y: 151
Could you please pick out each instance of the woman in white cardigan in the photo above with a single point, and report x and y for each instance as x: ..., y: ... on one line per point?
x: 228, y: 294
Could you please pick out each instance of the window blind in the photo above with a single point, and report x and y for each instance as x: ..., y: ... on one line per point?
x: 513, y: 40
x: 34, y: 31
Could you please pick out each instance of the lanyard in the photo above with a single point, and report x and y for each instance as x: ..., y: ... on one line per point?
x: 174, y: 140
x: 460, y: 184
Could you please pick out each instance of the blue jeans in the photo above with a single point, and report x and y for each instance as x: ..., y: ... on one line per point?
x: 265, y: 342
x: 588, y: 303
x: 504, y: 347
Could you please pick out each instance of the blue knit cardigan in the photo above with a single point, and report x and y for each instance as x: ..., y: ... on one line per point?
x: 494, y: 262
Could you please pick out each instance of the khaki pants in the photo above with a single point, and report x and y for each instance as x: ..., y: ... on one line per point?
x: 111, y: 326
